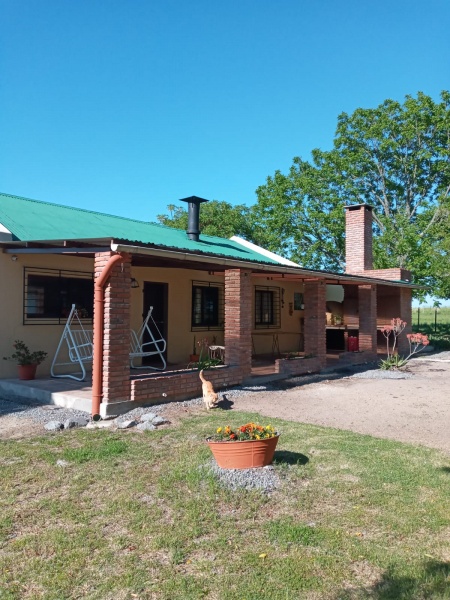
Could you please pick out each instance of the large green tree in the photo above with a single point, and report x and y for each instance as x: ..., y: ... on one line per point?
x: 395, y: 157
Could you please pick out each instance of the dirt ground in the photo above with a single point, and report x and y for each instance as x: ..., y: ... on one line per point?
x: 415, y: 410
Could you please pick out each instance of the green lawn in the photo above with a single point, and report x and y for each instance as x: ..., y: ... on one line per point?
x: 135, y: 515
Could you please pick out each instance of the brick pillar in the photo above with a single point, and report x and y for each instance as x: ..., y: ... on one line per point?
x: 358, y: 238
x: 238, y: 320
x: 315, y: 320
x: 367, y: 308
x: 116, y: 330
x: 405, y: 313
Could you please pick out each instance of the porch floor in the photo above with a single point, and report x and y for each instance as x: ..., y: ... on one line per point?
x: 78, y: 394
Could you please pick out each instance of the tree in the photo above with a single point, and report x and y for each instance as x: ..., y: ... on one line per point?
x: 216, y: 218
x: 395, y: 157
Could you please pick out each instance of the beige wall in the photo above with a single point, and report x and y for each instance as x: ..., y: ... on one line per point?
x: 37, y: 337
x: 180, y: 337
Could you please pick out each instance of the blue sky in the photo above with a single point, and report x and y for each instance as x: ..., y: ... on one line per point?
x: 126, y: 106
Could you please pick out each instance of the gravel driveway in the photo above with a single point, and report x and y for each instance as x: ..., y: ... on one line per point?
x: 414, y: 409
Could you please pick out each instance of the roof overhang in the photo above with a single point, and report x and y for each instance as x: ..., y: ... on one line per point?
x: 167, y: 257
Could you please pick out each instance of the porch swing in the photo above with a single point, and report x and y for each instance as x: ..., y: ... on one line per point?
x: 78, y: 345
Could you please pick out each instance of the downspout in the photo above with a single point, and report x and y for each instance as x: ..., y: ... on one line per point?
x: 99, y: 312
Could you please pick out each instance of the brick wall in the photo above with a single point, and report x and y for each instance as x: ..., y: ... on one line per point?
x: 238, y: 320
x: 315, y: 323
x: 116, y: 329
x: 394, y: 274
x: 358, y: 238
x: 298, y: 366
x: 367, y: 308
x: 181, y: 385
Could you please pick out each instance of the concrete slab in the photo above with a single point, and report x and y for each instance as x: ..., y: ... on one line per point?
x: 65, y: 393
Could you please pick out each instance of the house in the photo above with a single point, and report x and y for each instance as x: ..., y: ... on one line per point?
x: 231, y: 292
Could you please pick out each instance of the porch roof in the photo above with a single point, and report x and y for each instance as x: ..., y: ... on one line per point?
x: 36, y: 221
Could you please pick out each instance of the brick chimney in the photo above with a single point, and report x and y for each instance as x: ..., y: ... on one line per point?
x: 358, y: 238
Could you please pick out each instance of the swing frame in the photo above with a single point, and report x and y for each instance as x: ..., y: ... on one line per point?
x: 79, y: 344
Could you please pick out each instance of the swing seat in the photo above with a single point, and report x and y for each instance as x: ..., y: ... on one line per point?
x: 76, y: 347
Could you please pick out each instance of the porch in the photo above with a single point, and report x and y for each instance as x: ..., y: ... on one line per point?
x: 78, y: 394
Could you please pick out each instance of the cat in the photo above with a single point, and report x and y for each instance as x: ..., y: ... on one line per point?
x: 210, y: 398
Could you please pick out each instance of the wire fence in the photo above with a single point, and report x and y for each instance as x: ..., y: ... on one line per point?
x: 431, y: 320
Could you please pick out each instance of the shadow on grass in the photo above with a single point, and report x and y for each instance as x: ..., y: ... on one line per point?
x: 290, y: 458
x: 445, y: 469
x: 431, y: 583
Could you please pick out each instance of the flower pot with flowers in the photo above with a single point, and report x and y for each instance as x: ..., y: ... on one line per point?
x: 245, y: 447
x: 26, y: 360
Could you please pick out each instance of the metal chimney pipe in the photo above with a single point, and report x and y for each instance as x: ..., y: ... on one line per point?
x: 193, y: 229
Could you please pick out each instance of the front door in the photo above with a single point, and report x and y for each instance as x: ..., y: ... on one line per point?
x: 156, y: 295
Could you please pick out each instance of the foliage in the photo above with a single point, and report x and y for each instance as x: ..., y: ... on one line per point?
x: 216, y: 218
x: 204, y: 359
x: 440, y: 342
x: 23, y: 356
x: 250, y: 431
x: 392, y: 362
x: 417, y: 342
x: 395, y: 157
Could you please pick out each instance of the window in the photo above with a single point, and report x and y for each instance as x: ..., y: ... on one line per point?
x: 267, y: 307
x: 207, y: 305
x: 50, y: 293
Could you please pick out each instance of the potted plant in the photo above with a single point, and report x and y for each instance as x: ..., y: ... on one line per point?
x: 245, y: 447
x: 26, y: 360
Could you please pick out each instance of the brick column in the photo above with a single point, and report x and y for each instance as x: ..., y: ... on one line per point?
x: 315, y: 320
x: 116, y: 330
x: 405, y: 313
x: 238, y: 320
x: 367, y: 308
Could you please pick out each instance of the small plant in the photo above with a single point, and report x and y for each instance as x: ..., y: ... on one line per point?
x: 417, y: 342
x: 392, y: 362
x: 204, y: 361
x: 250, y: 431
x: 23, y: 356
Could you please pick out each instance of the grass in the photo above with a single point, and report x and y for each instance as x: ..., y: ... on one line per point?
x: 133, y: 515
x: 428, y: 320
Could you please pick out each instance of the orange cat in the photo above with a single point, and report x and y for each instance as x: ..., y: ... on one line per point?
x: 210, y: 398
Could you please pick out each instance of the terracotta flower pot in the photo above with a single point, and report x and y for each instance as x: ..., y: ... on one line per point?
x: 194, y: 358
x: 27, y: 372
x: 244, y: 455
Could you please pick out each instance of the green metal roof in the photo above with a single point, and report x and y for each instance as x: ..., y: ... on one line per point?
x: 33, y: 221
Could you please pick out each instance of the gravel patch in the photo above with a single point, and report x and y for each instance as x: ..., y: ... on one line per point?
x: 379, y: 374
x: 439, y: 357
x: 263, y: 478
x: 38, y: 413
